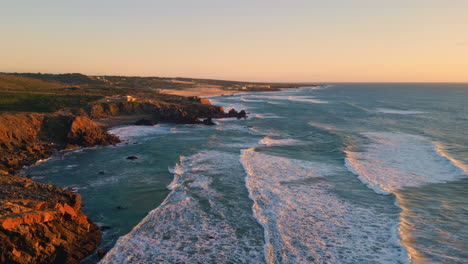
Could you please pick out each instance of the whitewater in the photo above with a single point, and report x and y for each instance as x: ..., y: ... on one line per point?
x: 348, y: 173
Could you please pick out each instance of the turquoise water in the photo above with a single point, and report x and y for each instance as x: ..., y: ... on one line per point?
x: 348, y: 173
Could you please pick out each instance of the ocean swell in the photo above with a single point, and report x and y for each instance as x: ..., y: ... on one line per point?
x: 305, y: 222
x: 195, y: 223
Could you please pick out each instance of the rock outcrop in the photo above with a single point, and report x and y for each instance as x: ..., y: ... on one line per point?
x: 41, y: 223
x: 185, y: 112
x: 238, y: 115
x: 26, y: 138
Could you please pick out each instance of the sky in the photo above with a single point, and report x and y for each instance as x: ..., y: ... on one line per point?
x: 251, y: 40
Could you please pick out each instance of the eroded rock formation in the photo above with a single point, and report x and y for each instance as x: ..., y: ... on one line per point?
x: 26, y: 138
x: 42, y: 223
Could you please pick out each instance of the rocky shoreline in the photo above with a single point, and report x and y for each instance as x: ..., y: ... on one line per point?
x: 41, y: 223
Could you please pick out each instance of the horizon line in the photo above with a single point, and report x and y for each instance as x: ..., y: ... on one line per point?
x: 232, y: 80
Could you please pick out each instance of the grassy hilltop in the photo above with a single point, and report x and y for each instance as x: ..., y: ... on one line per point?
x: 36, y: 92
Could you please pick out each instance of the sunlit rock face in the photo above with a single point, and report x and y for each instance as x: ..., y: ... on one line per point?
x: 42, y: 223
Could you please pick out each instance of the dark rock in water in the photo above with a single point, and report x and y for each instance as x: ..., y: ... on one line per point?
x: 120, y: 207
x: 238, y: 115
x: 242, y: 114
x: 145, y: 122
x: 132, y: 157
x: 232, y: 113
x: 101, y: 173
x: 29, y: 176
x: 104, y: 228
x: 101, y: 253
x: 208, y: 122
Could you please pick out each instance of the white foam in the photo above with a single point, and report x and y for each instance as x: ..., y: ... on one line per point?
x: 243, y: 99
x: 274, y: 103
x: 394, y: 160
x: 129, y: 132
x: 221, y: 101
x: 286, y: 97
x: 307, y: 99
x: 183, y: 230
x: 269, y: 141
x: 324, y: 126
x: 305, y: 222
x: 267, y: 116
x: 397, y: 111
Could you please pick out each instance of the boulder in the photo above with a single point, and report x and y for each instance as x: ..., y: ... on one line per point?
x: 132, y: 157
x: 238, y: 115
x: 242, y: 114
x: 232, y: 113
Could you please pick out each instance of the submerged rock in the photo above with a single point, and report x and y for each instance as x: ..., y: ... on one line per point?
x: 104, y: 228
x: 208, y: 122
x: 101, y: 253
x: 132, y: 157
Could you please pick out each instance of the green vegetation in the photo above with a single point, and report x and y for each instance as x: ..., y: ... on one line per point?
x: 18, y: 83
x: 37, y: 92
x: 27, y: 102
x: 67, y: 78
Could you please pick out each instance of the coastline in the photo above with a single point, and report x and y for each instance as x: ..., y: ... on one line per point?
x: 101, y: 119
x: 29, y: 138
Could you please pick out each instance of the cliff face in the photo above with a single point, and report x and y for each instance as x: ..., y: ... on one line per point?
x: 186, y: 113
x: 26, y: 138
x: 42, y: 224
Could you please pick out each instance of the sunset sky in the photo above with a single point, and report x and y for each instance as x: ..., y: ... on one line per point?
x: 256, y: 40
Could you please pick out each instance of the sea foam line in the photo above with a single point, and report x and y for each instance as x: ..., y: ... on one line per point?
x: 301, y: 215
x: 194, y: 211
x: 393, y: 161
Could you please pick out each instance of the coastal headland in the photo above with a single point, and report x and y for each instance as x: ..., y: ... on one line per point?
x: 42, y: 114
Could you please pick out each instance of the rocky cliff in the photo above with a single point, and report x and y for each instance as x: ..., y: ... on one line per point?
x: 41, y: 223
x: 44, y: 224
x: 187, y: 112
x: 26, y: 138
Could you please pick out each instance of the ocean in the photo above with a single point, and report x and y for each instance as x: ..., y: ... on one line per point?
x: 345, y: 173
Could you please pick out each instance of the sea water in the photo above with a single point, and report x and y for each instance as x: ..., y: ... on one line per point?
x: 345, y: 173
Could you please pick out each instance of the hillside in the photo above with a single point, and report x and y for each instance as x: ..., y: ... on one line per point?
x: 16, y: 83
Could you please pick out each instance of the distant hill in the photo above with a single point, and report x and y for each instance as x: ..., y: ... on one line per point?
x: 68, y: 78
x: 10, y: 82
